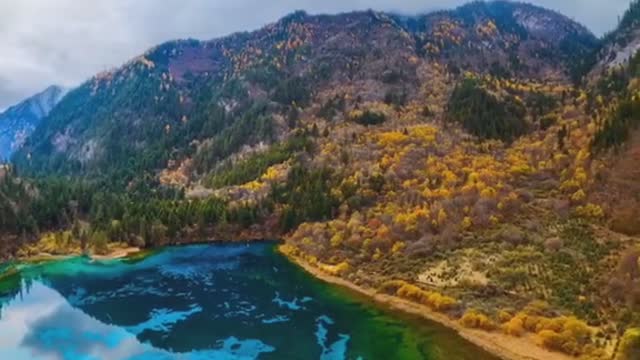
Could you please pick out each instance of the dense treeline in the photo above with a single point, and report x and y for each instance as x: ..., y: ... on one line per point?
x: 12, y: 194
x: 631, y: 15
x: 617, y: 128
x: 255, y: 126
x: 143, y: 216
x: 368, y: 117
x: 629, y: 19
x: 615, y: 82
x: 149, y: 214
x: 254, y: 166
x: 618, y: 84
x: 306, y: 196
x: 484, y: 115
x: 141, y: 129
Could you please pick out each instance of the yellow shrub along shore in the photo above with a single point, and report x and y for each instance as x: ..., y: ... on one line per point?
x: 565, y: 334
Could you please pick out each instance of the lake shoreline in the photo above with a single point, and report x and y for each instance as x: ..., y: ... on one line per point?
x: 123, y: 253
x: 115, y: 254
x: 501, y: 345
x: 281, y: 302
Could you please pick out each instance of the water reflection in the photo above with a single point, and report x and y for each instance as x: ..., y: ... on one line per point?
x: 202, y: 302
x: 43, y: 325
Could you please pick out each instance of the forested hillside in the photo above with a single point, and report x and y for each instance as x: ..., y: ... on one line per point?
x: 206, y: 100
x: 479, y: 161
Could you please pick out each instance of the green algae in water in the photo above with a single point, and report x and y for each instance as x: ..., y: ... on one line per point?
x: 205, y: 302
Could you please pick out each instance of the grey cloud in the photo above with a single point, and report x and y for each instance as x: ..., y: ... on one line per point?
x: 43, y: 42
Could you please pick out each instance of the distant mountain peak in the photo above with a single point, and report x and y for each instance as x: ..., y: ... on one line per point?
x: 620, y: 45
x: 19, y: 121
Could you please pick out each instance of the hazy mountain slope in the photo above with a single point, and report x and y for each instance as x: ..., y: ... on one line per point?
x: 620, y: 44
x: 19, y: 121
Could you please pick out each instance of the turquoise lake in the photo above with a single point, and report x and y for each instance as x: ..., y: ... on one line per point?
x: 205, y: 302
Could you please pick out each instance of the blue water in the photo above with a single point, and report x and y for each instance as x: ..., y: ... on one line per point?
x: 204, y: 302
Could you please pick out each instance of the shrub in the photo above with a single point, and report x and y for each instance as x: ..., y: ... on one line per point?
x: 553, y: 244
x: 342, y: 268
x: 336, y: 270
x: 530, y: 322
x: 99, y: 242
x: 504, y: 316
x: 590, y: 212
x: 558, y: 342
x: 368, y: 117
x: 440, y: 302
x: 629, y: 345
x: 553, y: 324
x: 563, y: 333
x: 412, y: 292
x: 434, y: 300
x: 578, y: 329
x: 512, y: 235
x: 578, y: 196
x: 515, y: 326
x: 537, y: 307
x: 476, y: 320
x: 391, y: 286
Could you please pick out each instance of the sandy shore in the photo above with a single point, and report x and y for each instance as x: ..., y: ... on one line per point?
x: 503, y: 346
x: 117, y: 254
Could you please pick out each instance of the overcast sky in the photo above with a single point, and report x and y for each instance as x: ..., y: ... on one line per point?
x: 64, y: 42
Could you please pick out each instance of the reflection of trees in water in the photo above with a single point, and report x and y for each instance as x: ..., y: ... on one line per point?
x: 13, y: 285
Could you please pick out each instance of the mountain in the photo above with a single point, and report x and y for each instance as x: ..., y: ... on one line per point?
x: 620, y: 44
x: 19, y: 121
x: 199, y: 99
x: 478, y: 161
x: 614, y: 81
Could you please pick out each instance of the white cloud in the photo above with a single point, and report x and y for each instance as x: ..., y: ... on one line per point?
x: 43, y: 42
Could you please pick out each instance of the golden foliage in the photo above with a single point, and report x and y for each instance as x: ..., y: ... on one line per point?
x: 590, y: 211
x: 515, y: 326
x: 434, y: 300
x: 476, y: 320
x: 629, y: 347
x: 336, y: 270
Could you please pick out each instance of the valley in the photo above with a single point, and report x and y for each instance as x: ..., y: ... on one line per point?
x: 476, y: 166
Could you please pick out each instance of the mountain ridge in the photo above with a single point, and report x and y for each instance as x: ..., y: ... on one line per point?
x: 448, y: 36
x: 18, y: 121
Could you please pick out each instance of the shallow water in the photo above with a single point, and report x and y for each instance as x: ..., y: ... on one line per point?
x: 204, y: 302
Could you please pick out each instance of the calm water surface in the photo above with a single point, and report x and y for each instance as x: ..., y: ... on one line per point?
x: 204, y: 302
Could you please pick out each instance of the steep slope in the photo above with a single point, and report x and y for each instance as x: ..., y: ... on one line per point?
x: 19, y: 121
x: 204, y: 100
x: 506, y: 38
x: 615, y: 87
x: 621, y: 44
